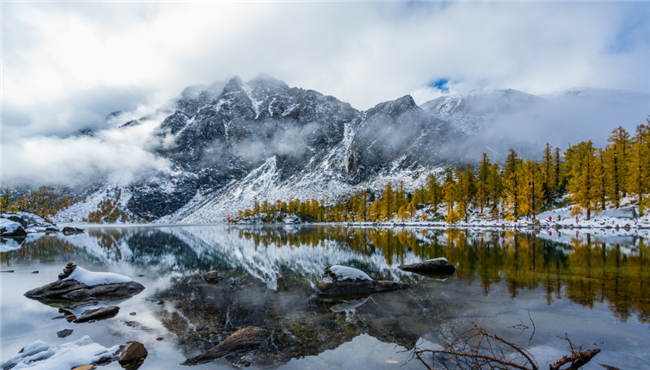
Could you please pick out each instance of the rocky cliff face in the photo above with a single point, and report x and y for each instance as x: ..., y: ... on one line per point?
x: 232, y: 141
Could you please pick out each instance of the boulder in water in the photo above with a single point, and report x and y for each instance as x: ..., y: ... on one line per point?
x: 133, y: 354
x: 11, y: 228
x: 77, y: 284
x: 95, y: 314
x: 436, y: 266
x: 243, y: 340
x: 71, y: 230
x: 342, y: 281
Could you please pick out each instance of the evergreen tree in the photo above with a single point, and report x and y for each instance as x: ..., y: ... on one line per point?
x: 375, y: 210
x: 639, y: 164
x: 548, y: 168
x: 388, y: 202
x: 582, y: 162
x: 448, y: 193
x: 616, y: 164
x: 532, y: 189
x: 494, y: 185
x: 512, y: 183
x: 600, y: 190
x: 433, y: 191
x: 482, y: 189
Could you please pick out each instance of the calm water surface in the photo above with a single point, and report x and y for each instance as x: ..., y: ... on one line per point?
x: 595, y: 289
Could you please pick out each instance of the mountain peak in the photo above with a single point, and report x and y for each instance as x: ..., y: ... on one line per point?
x: 264, y: 78
x: 395, y: 107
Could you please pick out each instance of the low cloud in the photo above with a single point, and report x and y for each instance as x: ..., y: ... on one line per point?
x: 115, y: 155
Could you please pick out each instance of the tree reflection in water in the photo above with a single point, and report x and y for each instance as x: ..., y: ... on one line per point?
x: 586, y: 271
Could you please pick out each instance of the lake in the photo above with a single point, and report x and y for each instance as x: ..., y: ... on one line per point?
x: 527, y: 288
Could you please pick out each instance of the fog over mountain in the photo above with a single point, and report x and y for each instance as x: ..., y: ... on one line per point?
x: 216, y: 147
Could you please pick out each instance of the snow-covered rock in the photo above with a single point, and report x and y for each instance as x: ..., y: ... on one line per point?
x: 11, y: 228
x: 338, y: 273
x: 627, y: 212
x: 42, y: 356
x: 91, y: 278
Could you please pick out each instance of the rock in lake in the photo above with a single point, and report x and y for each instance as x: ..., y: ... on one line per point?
x: 434, y: 266
x: 79, y: 284
x: 64, y: 333
x: 95, y: 314
x: 85, y: 367
x: 243, y: 340
x: 11, y: 228
x: 71, y: 230
x: 133, y: 354
x: 341, y: 281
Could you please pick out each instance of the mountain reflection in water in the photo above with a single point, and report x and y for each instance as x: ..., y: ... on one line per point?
x: 582, y: 268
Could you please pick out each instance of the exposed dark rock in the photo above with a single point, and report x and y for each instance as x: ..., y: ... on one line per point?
x: 435, y: 266
x: 67, y: 270
x: 71, y: 230
x: 133, y: 354
x: 18, y: 219
x: 64, y: 333
x: 85, y: 367
x: 243, y: 340
x: 18, y: 231
x: 97, y: 314
x: 35, y: 272
x: 72, y: 290
x: 211, y: 277
x: 358, y: 288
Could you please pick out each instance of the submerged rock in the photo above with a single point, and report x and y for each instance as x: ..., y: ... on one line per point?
x: 342, y: 281
x: 243, y: 340
x: 133, y: 355
x: 64, y: 333
x: 95, y: 314
x: 358, y: 288
x: 434, y: 266
x: 77, y: 283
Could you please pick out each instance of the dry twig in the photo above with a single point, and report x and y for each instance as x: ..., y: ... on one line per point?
x: 478, y: 349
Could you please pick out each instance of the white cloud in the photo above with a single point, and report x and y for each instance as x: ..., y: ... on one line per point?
x: 118, y: 156
x: 67, y: 65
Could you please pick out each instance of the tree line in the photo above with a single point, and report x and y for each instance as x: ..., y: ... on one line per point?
x: 589, y: 178
x: 45, y: 201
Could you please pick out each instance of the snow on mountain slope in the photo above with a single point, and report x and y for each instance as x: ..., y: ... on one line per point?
x: 233, y: 141
x: 474, y: 110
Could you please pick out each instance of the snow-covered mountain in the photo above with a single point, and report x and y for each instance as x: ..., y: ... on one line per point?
x: 232, y: 141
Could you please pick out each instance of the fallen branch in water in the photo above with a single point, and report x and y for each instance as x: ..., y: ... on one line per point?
x: 577, y: 358
x: 478, y: 349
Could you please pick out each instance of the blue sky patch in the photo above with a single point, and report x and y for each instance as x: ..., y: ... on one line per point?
x: 440, y: 84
